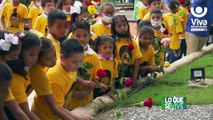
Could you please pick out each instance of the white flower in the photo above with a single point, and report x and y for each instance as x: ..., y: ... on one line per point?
x: 5, y: 45
x: 12, y: 38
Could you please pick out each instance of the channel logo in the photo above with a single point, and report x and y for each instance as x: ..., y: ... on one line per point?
x: 199, y: 11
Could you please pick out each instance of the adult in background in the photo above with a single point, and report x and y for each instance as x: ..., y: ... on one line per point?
x: 198, y: 25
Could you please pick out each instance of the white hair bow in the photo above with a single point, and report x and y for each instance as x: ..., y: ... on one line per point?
x: 9, y: 39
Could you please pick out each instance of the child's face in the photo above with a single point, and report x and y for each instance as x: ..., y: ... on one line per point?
x: 156, y: 19
x: 121, y: 27
x: 67, y: 4
x: 30, y: 56
x: 13, y: 55
x: 84, y: 16
x: 146, y: 39
x: 155, y: 5
x: 107, y: 13
x: 58, y: 29
x: 48, y: 59
x: 82, y: 36
x: 145, y: 2
x: 73, y: 62
x: 4, y: 85
x: 106, y: 49
x: 48, y: 7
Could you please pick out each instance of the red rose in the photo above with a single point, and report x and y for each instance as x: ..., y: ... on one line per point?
x: 182, y: 2
x: 95, y: 16
x: 148, y: 103
x: 166, y: 32
x: 128, y: 82
x: 130, y: 47
x: 68, y: 22
x: 88, y: 3
x: 189, y: 9
x: 15, y: 10
x: 101, y: 73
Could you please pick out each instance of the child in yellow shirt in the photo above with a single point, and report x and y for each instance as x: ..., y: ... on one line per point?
x: 34, y: 12
x: 57, y: 28
x: 103, y: 26
x: 156, y: 17
x: 14, y: 16
x: 8, y: 54
x: 146, y: 38
x: 63, y: 76
x: 40, y: 83
x: 83, y: 91
x: 41, y: 21
x: 128, y: 54
x: 106, y: 49
x: 143, y: 9
x: 183, y: 14
x: 153, y: 4
x: 20, y: 85
x: 175, y: 28
x: 5, y: 80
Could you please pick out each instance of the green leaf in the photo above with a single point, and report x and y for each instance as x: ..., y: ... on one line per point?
x: 86, y: 75
x: 153, y: 75
x: 118, y: 115
x: 163, y: 49
x: 88, y: 65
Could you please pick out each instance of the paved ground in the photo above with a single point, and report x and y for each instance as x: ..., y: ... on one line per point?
x: 193, y: 112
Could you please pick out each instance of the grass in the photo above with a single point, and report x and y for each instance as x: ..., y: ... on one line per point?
x: 175, y: 84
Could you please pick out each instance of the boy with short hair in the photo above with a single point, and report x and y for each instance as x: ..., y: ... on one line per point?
x: 41, y: 20
x: 143, y: 9
x: 5, y: 80
x: 63, y: 76
x: 175, y: 28
x: 156, y: 17
x: 153, y: 4
x: 14, y: 16
x: 57, y: 28
x: 103, y: 26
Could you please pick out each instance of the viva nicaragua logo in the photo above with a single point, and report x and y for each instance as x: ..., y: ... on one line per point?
x: 197, y: 24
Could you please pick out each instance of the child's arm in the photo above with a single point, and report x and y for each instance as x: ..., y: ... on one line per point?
x: 56, y: 109
x: 3, y: 23
x: 2, y: 113
x: 148, y: 68
x: 75, y: 117
x: 17, y: 112
x: 25, y: 108
x: 88, y: 83
x: 136, y: 69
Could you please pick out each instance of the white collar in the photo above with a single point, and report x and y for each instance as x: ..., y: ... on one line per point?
x: 161, y: 29
x: 67, y: 13
x: 89, y: 50
x: 36, y: 7
x: 143, y: 5
x: 100, y: 22
x: 102, y: 58
x: 45, y: 14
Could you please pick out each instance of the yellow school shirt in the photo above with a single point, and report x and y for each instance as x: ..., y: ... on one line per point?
x: 148, y: 55
x: 31, y: 4
x: 22, y: 12
x: 175, y: 27
x: 147, y: 16
x: 183, y: 16
x: 20, y: 87
x: 100, y: 29
x: 60, y: 83
x: 121, y: 45
x: 142, y: 11
x: 39, y: 80
x: 92, y: 58
x: 9, y: 96
x: 56, y: 43
x: 41, y: 23
x: 111, y: 68
x: 34, y: 12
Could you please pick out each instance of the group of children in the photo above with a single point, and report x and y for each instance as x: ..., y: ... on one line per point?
x: 62, y: 57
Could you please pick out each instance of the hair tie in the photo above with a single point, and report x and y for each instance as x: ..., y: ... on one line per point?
x: 21, y: 35
x: 8, y: 41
